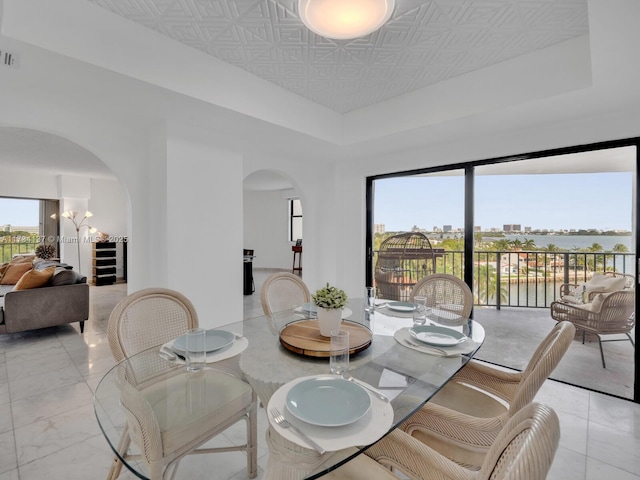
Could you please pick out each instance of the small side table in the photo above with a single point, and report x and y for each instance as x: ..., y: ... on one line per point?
x: 297, y: 250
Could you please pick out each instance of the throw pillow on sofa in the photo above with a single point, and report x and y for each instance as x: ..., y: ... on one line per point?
x: 34, y: 279
x: 63, y: 276
x: 3, y: 268
x: 15, y: 272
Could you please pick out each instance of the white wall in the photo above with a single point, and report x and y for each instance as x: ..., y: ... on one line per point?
x: 108, y: 203
x: 204, y: 227
x: 266, y: 227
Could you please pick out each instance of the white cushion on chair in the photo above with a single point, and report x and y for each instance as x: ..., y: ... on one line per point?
x: 215, y: 396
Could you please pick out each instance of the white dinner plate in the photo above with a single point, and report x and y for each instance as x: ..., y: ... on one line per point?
x: 328, y: 401
x: 438, y: 336
x: 214, y: 340
x: 402, y: 306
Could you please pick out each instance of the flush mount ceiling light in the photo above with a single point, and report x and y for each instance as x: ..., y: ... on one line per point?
x: 344, y: 19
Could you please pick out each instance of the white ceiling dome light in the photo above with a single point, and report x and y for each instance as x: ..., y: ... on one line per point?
x: 345, y: 19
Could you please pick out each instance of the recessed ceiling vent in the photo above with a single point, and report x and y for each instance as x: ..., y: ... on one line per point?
x: 8, y: 59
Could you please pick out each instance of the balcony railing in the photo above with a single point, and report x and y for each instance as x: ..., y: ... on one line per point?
x: 9, y: 249
x: 530, y: 278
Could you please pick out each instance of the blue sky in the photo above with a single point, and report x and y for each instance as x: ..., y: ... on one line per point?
x: 19, y: 212
x: 554, y: 202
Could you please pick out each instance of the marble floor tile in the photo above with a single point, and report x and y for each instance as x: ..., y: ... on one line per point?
x: 6, y: 419
x: 39, y: 439
x: 567, y: 465
x: 5, y: 396
x: 10, y: 475
x: 8, y: 459
x: 39, y: 383
x: 573, y: 433
x: 51, y: 403
x: 88, y: 459
x: 609, y: 411
x: 49, y: 430
x: 564, y: 398
x: 614, y: 447
x: 597, y: 470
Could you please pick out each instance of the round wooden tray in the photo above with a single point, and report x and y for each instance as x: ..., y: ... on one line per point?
x: 304, y: 337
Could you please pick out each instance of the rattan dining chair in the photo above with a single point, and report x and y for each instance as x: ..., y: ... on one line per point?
x: 445, y: 292
x: 149, y: 318
x: 464, y: 418
x: 283, y: 291
x: 523, y: 450
x: 607, y: 314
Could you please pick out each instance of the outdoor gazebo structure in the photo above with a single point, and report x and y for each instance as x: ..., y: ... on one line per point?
x: 403, y: 259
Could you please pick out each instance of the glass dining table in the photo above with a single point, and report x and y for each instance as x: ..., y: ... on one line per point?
x: 398, y: 372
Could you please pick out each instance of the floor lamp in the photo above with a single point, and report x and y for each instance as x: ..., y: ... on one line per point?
x: 72, y: 215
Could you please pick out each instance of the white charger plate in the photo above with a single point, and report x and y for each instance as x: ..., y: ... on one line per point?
x: 328, y: 401
x: 401, y: 306
x: 365, y: 431
x: 438, y: 336
x: 213, y: 340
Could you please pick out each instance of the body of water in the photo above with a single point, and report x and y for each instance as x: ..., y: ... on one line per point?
x: 569, y: 242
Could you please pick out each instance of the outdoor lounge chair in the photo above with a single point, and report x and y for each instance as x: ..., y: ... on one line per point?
x: 607, y: 314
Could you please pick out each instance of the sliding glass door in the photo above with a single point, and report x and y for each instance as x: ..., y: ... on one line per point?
x: 518, y: 231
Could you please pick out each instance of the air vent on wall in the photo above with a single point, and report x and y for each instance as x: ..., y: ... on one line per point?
x: 8, y: 59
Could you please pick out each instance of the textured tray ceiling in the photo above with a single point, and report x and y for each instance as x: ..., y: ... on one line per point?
x: 425, y: 42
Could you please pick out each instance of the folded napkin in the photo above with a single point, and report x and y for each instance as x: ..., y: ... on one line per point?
x: 238, y: 346
x: 404, y: 338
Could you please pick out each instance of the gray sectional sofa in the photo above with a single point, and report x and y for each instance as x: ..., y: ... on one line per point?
x: 65, y: 299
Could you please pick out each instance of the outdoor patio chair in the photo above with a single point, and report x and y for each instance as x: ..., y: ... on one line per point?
x: 606, y: 282
x: 146, y: 319
x: 523, y: 450
x: 464, y: 418
x: 607, y: 314
x: 446, y: 293
x: 283, y: 291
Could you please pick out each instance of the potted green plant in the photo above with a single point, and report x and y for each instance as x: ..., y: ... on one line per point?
x: 330, y: 301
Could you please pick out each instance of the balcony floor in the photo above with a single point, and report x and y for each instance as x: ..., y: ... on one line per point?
x: 514, y: 333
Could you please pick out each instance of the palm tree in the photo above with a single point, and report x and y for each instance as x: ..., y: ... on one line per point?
x: 487, y: 287
x: 595, y: 247
x: 529, y: 244
x: 620, y: 248
x: 502, y: 245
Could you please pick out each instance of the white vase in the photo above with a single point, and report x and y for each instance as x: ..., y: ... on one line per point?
x: 329, y: 319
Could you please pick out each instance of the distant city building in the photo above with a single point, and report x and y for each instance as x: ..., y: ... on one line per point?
x: 527, y: 229
x: 378, y: 228
x: 477, y: 229
x: 17, y: 228
x: 447, y: 228
x: 512, y: 228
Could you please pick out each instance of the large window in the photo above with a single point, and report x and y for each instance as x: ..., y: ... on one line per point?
x: 533, y: 224
x: 295, y: 219
x: 25, y: 223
